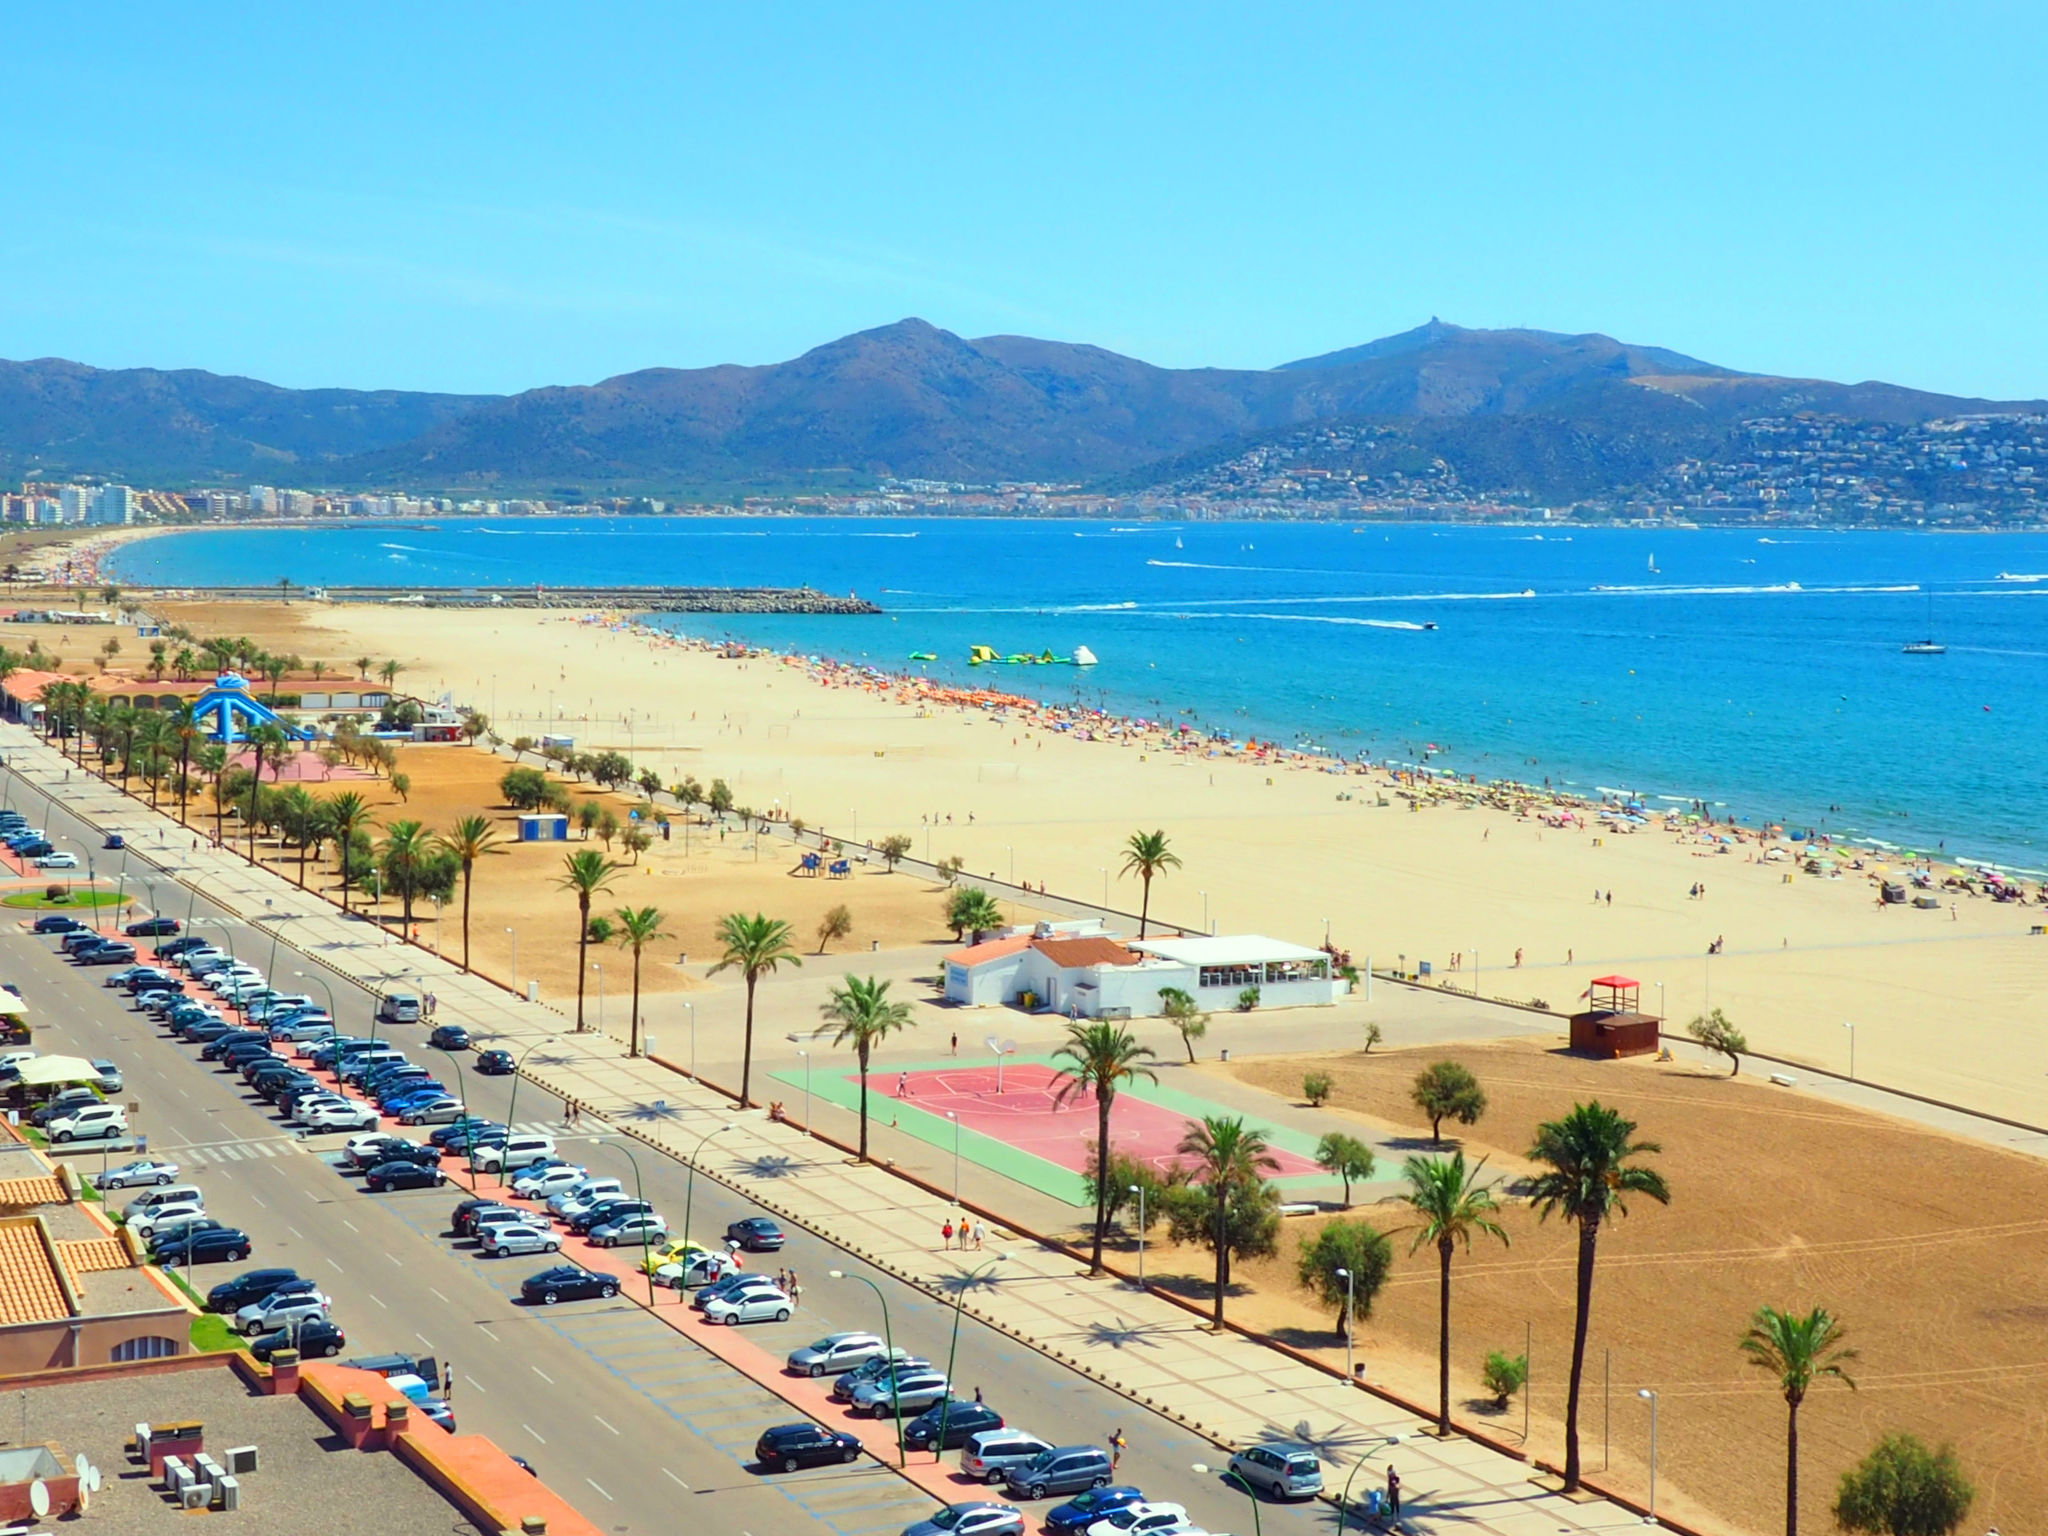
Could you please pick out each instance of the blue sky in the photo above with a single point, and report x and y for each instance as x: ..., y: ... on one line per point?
x: 492, y: 197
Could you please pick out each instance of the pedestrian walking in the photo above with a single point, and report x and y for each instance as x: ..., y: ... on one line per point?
x: 1393, y: 1493
x: 946, y: 1234
x: 902, y: 1084
x: 796, y: 1292
x: 980, y: 1233
x: 977, y: 1398
x: 1116, y: 1449
x: 956, y: 1042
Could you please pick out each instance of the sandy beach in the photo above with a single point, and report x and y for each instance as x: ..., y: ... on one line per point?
x: 1280, y: 848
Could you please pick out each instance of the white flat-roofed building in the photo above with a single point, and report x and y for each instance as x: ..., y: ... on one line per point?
x: 1094, y: 975
x: 1287, y: 975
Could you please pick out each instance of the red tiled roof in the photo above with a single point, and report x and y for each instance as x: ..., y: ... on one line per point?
x: 41, y: 1190
x: 30, y: 1291
x: 1069, y: 954
x: 88, y: 1255
x: 992, y: 949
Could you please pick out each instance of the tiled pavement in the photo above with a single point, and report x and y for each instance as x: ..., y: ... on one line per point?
x: 1225, y: 1386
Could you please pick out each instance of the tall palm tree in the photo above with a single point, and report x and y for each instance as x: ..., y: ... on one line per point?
x: 265, y: 742
x: 186, y: 729
x: 1147, y: 854
x: 638, y: 928
x: 1230, y: 1157
x: 298, y: 813
x: 1453, y: 1205
x: 1099, y: 1057
x: 347, y: 814
x: 1798, y: 1351
x: 866, y: 1017
x: 754, y: 946
x: 1587, y: 1154
x: 154, y: 736
x: 212, y: 760
x: 408, y: 850
x: 470, y: 839
x: 586, y: 873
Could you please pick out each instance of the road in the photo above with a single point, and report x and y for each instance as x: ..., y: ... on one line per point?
x: 636, y: 1426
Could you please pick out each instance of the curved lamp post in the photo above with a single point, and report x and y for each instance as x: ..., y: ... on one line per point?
x: 690, y: 1185
x: 640, y: 1194
x: 1235, y: 1481
x: 968, y: 1281
x: 519, y: 1071
x: 889, y: 1343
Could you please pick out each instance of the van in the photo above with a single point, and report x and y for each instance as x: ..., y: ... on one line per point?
x: 358, y: 1065
x: 12, y: 1060
x: 1064, y: 1469
x: 517, y: 1152
x: 991, y: 1452
x: 399, y: 1008
x: 90, y: 1121
x: 163, y: 1194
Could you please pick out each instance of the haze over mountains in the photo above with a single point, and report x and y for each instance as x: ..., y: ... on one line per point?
x: 1548, y: 414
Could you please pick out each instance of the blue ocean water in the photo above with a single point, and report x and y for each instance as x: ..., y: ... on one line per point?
x: 1760, y: 672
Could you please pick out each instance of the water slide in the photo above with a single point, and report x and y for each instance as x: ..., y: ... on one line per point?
x: 233, y: 712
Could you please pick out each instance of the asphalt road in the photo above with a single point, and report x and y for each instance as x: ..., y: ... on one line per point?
x: 629, y: 1421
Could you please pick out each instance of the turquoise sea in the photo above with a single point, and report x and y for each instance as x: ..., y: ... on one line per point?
x: 1760, y: 672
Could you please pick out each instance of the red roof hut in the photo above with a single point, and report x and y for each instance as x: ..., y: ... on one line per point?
x: 1613, y: 1023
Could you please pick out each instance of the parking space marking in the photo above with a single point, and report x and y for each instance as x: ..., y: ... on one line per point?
x: 601, y: 1419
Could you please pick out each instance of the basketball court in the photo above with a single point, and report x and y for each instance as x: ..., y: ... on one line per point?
x: 1021, y: 1132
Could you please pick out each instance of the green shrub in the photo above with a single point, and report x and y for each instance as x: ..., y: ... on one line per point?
x: 1504, y: 1375
x: 1248, y: 999
x: 1317, y: 1087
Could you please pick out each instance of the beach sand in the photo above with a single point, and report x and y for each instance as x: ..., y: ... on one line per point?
x: 1945, y: 1005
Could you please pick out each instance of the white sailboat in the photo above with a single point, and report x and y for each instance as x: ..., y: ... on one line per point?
x: 1930, y: 646
x: 1653, y: 566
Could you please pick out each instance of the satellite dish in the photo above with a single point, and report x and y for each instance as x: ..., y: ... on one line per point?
x: 39, y: 1498
x: 88, y: 1474
x: 85, y: 1497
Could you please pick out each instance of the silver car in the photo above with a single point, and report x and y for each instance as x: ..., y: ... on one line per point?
x: 142, y: 1171
x: 769, y: 1306
x: 844, y: 1388
x: 518, y: 1237
x: 280, y: 1311
x: 1281, y: 1468
x: 976, y: 1517
x: 837, y: 1353
x: 906, y: 1390
x: 641, y: 1227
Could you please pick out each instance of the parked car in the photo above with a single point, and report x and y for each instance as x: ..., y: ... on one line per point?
x: 950, y: 1424
x: 163, y: 1194
x: 540, y: 1181
x: 365, y: 1150
x: 402, y: 1174
x: 449, y: 1037
x: 844, y: 1388
x: 110, y: 953
x: 1084, y: 1509
x: 567, y: 1282
x: 697, y: 1267
x: 756, y: 1234
x: 517, y: 1152
x: 467, y: 1212
x: 315, y: 1336
x: 902, y: 1390
x: 144, y: 1170
x: 518, y: 1237
x: 57, y: 861
x: 438, y: 1109
x: 280, y: 1309
x: 790, y: 1446
x: 336, y: 1115
x: 152, y: 927
x: 495, y: 1063
x: 147, y: 1223
x: 231, y: 1296
x: 58, y: 922
x: 835, y: 1354
x: 641, y: 1227
x: 612, y: 1208
x: 731, y: 1285
x: 584, y: 1193
x: 205, y: 1245
x: 1147, y: 1518
x: 1285, y: 1469
x: 89, y: 1122
x: 975, y: 1517
x: 67, y: 1103
x: 1063, y: 1469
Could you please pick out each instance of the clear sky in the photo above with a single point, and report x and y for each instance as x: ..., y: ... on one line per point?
x: 490, y: 197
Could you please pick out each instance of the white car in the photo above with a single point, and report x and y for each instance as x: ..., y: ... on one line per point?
x: 143, y: 1170
x: 336, y: 1115
x: 57, y: 861
x: 94, y: 1120
x: 539, y: 1183
x: 750, y: 1306
x: 281, y: 1311
x: 518, y: 1237
x: 162, y: 1218
x: 1148, y: 1517
x: 581, y: 1196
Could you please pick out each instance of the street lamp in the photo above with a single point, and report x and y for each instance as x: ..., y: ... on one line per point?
x: 889, y: 1343
x: 640, y: 1194
x: 690, y: 1186
x: 807, y: 1092
x: 1661, y: 1014
x: 956, y: 1157
x: 1850, y: 1025
x: 518, y: 1071
x: 968, y: 1280
x: 600, y: 995
x: 469, y: 1121
x: 1651, y: 1398
x: 1139, y: 1191
x: 515, y: 957
x: 333, y: 1017
x: 1105, y: 887
x: 1234, y: 1480
x: 1350, y: 1301
x: 693, y: 1046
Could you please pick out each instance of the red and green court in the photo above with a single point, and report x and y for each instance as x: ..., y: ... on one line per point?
x: 1026, y: 1132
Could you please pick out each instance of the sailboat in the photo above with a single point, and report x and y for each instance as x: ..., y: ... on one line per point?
x: 1930, y: 646
x: 1653, y: 567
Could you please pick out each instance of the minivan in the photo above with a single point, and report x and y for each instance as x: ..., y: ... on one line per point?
x: 992, y: 1452
x: 517, y: 1152
x: 90, y: 1121
x: 399, y: 1008
x: 1282, y: 1468
x: 1064, y: 1469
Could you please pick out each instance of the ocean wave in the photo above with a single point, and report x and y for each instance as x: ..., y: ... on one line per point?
x: 1331, y: 618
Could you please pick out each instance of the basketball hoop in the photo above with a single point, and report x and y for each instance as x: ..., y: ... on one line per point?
x: 1001, y: 1048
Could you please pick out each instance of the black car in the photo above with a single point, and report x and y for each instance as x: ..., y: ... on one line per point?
x: 57, y: 922
x: 756, y: 1234
x: 466, y: 1213
x: 567, y: 1282
x: 315, y: 1336
x: 204, y: 1245
x: 458, y: 1134
x: 608, y: 1211
x: 253, y: 1285
x: 449, y: 1037
x: 63, y: 1104
x: 495, y: 1063
x: 962, y: 1419
x: 152, y: 928
x: 402, y: 1173
x: 178, y: 946
x: 107, y: 954
x: 789, y: 1446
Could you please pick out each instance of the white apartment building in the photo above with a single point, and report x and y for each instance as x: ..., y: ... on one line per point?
x: 112, y: 505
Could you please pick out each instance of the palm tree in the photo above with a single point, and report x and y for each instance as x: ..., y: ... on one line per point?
x: 753, y: 946
x: 264, y: 741
x: 1229, y: 1157
x: 186, y: 729
x: 1453, y: 1205
x: 469, y: 840
x: 638, y: 929
x: 1798, y: 1351
x: 586, y: 873
x: 363, y: 668
x: 300, y: 815
x: 865, y: 1017
x: 347, y: 814
x: 185, y: 660
x: 1146, y: 854
x: 1099, y: 1057
x: 390, y: 671
x: 409, y: 851
x: 1588, y: 1154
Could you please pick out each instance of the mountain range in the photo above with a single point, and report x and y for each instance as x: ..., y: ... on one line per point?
x: 910, y: 400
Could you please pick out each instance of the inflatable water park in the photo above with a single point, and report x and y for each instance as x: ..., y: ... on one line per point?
x: 986, y: 655
x: 232, y: 711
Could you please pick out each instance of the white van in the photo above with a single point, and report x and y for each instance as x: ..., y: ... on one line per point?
x: 517, y: 1152
x: 90, y: 1121
x: 163, y: 1194
x: 399, y: 1008
x: 989, y: 1452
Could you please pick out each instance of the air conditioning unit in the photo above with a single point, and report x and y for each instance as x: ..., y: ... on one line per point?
x: 228, y: 1493
x: 195, y: 1495
x: 241, y: 1459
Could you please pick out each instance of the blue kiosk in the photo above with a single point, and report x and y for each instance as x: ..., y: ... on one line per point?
x: 232, y: 711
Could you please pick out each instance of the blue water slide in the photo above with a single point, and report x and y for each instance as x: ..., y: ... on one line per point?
x: 232, y: 711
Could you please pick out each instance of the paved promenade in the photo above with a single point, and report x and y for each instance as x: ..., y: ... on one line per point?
x: 1157, y: 1353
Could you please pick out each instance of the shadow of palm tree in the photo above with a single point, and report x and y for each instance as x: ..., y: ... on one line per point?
x: 1336, y: 1445
x: 1119, y: 1334
x: 772, y: 1165
x: 1194, y: 1287
x: 960, y: 1284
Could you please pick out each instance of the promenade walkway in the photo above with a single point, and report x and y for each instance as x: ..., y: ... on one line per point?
x: 1225, y: 1386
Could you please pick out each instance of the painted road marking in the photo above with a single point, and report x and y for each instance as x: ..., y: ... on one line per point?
x: 600, y: 1488
x: 487, y: 1332
x: 674, y: 1479
x: 543, y: 1375
x: 444, y: 1300
x: 535, y: 1433
x: 597, y: 1416
x: 376, y: 1298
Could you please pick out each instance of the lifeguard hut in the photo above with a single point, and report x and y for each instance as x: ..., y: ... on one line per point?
x: 1613, y: 1023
